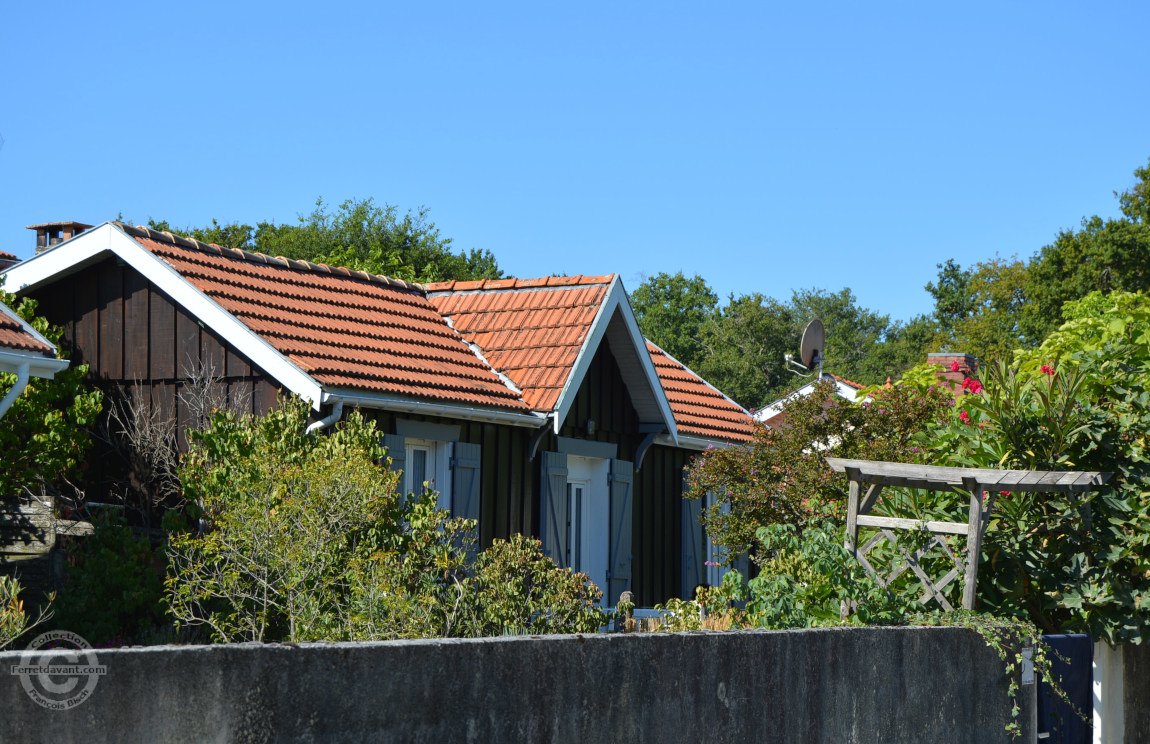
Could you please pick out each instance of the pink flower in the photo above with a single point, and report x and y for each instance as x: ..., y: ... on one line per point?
x: 1047, y: 369
x: 966, y: 384
x: 975, y: 386
x: 954, y: 366
x: 964, y: 417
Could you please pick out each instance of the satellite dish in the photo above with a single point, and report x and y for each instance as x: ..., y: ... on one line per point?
x: 811, y: 347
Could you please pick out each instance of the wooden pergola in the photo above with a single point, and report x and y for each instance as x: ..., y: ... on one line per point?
x: 974, y: 481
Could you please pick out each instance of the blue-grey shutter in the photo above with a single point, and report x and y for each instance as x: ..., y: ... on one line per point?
x: 465, y: 460
x: 694, y: 545
x: 619, y: 561
x: 397, y: 451
x: 742, y: 562
x: 553, y: 506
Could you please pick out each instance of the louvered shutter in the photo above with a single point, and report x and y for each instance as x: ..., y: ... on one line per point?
x: 694, y: 546
x: 619, y: 561
x: 553, y: 506
x: 397, y: 451
x: 465, y: 460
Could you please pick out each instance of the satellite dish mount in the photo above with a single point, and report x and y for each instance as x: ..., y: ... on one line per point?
x: 810, y: 348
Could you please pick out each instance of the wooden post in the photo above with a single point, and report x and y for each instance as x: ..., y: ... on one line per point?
x: 852, y: 539
x: 973, y: 543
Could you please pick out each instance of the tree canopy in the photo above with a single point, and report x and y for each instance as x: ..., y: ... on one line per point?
x: 359, y: 234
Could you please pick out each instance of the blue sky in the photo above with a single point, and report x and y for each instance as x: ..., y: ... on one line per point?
x: 764, y: 146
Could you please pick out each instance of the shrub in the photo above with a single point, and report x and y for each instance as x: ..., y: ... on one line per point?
x: 115, y: 587
x: 517, y: 589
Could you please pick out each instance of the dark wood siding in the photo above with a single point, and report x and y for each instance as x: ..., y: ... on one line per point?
x: 130, y: 333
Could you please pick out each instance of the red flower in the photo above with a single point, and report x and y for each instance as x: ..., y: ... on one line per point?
x: 954, y: 366
x: 975, y: 386
x: 1047, y: 369
x: 966, y: 384
x: 964, y: 417
x: 1004, y: 493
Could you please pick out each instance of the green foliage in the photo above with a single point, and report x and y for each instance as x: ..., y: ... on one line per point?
x: 46, y: 431
x: 1066, y: 562
x: 1105, y: 255
x: 739, y: 348
x: 780, y: 477
x: 953, y: 299
x: 115, y: 587
x: 14, y: 619
x: 360, y: 235
x: 286, y: 514
x: 305, y: 537
x: 516, y: 589
x: 671, y: 310
x: 988, y: 322
x: 1000, y: 305
x: 852, y: 332
x: 743, y: 348
x: 807, y: 579
x: 410, y: 580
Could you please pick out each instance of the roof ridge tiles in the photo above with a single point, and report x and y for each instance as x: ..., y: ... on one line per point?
x: 164, y: 236
x: 515, y: 284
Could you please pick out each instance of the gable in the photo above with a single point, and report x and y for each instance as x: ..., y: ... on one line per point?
x: 542, y: 334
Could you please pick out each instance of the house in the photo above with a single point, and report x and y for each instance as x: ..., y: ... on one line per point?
x: 772, y: 414
x: 24, y: 353
x: 532, y: 405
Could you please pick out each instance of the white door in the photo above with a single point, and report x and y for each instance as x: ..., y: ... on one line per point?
x: 588, y: 518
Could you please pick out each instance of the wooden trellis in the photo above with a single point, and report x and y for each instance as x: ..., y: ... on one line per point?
x: 974, y: 481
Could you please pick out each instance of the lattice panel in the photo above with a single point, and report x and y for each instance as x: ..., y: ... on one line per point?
x: 931, y: 589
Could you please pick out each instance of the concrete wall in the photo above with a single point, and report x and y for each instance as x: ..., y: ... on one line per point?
x: 836, y: 685
x: 1136, y: 694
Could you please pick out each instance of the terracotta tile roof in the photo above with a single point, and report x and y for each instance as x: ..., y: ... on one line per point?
x: 848, y: 383
x: 5, y: 256
x: 14, y: 337
x: 700, y: 410
x: 530, y: 330
x: 346, y: 329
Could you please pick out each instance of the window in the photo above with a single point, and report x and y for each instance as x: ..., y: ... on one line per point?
x: 426, y: 462
x: 449, y: 467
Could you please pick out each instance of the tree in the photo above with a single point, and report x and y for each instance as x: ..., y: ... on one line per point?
x: 1104, y: 255
x: 953, y: 300
x: 851, y: 331
x: 285, y: 515
x: 360, y: 235
x: 47, y: 430
x: 988, y: 323
x: 672, y: 310
x: 1080, y: 401
x: 780, y: 477
x: 742, y: 349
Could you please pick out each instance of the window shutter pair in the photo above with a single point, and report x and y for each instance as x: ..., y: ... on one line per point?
x: 554, y: 511
x: 464, y: 463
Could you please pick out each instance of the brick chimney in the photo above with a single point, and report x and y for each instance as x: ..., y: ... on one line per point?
x: 946, y: 361
x: 49, y: 234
